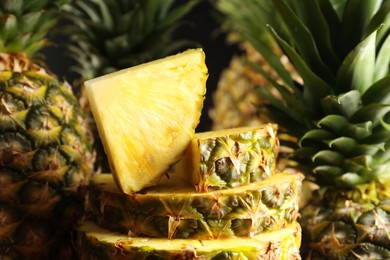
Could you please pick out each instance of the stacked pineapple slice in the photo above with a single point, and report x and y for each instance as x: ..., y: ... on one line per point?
x: 174, y: 194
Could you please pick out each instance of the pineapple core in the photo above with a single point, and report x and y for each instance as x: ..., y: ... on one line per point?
x: 146, y: 115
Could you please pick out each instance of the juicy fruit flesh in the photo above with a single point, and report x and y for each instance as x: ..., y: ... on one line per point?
x: 146, y: 115
x: 281, y: 244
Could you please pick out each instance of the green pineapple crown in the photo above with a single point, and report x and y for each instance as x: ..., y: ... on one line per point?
x: 24, y: 24
x: 341, y: 49
x: 108, y: 35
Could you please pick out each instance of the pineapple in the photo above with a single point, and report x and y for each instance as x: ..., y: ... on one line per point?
x: 147, y: 115
x: 178, y: 211
x: 339, y: 115
x: 236, y: 101
x: 98, y: 243
x: 46, y: 152
x: 229, y: 158
x: 106, y: 36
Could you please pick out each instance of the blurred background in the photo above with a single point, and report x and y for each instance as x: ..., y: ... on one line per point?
x: 201, y: 27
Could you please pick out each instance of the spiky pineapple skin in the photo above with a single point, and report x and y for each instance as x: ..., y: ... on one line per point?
x: 182, y: 213
x: 353, y: 224
x: 45, y: 161
x: 229, y: 158
x: 96, y: 243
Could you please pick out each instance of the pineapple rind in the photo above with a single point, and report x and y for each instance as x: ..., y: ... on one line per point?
x: 45, y: 158
x: 95, y: 242
x: 350, y: 223
x: 146, y: 115
x: 229, y: 158
x: 182, y: 213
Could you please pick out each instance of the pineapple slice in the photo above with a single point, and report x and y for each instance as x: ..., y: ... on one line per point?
x: 146, y: 115
x: 180, y: 212
x: 228, y: 158
x: 97, y: 243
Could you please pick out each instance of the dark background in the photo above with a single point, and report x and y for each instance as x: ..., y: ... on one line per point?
x: 202, y: 28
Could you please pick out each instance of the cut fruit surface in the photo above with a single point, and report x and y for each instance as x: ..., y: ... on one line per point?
x: 146, y: 115
x: 98, y: 243
x: 180, y: 212
x: 228, y: 158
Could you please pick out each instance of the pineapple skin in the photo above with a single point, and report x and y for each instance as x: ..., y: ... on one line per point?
x: 97, y: 243
x: 45, y: 161
x: 182, y: 213
x: 352, y: 224
x: 229, y: 158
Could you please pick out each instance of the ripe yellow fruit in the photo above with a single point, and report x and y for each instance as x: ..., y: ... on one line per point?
x: 146, y: 115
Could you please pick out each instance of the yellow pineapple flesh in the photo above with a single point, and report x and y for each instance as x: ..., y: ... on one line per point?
x: 146, y: 115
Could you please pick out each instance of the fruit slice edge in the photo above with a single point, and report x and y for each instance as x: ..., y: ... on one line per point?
x: 146, y: 115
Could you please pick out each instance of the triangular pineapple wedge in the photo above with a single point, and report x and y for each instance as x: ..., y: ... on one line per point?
x: 146, y: 115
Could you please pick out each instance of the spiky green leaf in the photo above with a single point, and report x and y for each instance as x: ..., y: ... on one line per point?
x: 378, y: 92
x: 303, y: 41
x: 357, y: 70
x: 315, y: 88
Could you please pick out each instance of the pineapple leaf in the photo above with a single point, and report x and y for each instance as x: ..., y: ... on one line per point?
x: 349, y: 179
x: 339, y: 7
x: 333, y: 122
x: 328, y: 157
x: 358, y: 68
x: 330, y: 171
x: 313, y: 17
x: 303, y: 40
x: 274, y: 61
x: 372, y: 112
x: 320, y: 135
x: 343, y: 144
x: 252, y: 27
x: 315, y: 88
x: 349, y: 103
x: 379, y: 92
x: 177, y: 13
x: 382, y: 65
x: 380, y: 19
x: 340, y: 125
x: 290, y: 97
x: 356, y: 17
x: 150, y: 16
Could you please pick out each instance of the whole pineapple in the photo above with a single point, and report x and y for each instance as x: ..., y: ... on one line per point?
x: 45, y: 147
x: 339, y: 114
x: 107, y: 36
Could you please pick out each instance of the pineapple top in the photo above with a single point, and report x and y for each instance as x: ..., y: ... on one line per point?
x: 25, y: 23
x: 341, y: 49
x: 108, y: 35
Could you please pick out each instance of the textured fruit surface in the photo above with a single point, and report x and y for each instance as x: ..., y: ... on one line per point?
x: 173, y: 212
x: 146, y: 115
x: 352, y: 224
x: 338, y: 113
x: 229, y: 158
x: 97, y: 243
x: 45, y: 158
